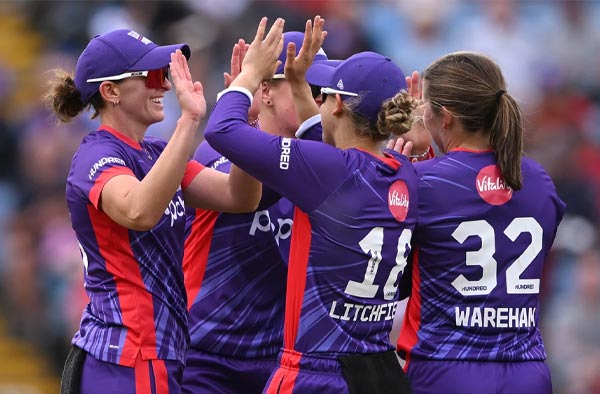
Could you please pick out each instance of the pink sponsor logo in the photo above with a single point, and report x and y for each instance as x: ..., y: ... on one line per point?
x: 398, y: 200
x: 491, y: 186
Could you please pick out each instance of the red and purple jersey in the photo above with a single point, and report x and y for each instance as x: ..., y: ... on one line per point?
x: 353, y: 223
x: 134, y: 279
x: 479, y: 251
x: 235, y: 269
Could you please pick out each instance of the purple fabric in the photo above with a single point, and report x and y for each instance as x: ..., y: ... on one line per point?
x: 481, y: 254
x: 471, y: 377
x: 206, y: 373
x: 350, y: 199
x: 116, y: 52
x: 319, y: 72
x: 238, y: 311
x: 157, y: 257
x: 316, y: 375
x: 99, y: 377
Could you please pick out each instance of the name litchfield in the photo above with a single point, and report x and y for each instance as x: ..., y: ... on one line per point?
x: 356, y: 312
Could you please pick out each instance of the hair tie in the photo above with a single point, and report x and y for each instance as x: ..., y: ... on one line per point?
x: 499, y: 94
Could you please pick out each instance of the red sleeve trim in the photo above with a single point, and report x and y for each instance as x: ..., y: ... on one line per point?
x: 103, y: 178
x: 193, y: 168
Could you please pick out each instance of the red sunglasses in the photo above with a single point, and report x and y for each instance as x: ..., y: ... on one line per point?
x: 155, y: 79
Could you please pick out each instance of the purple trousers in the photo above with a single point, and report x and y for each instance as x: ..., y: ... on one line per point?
x: 301, y: 374
x: 146, y: 377
x: 206, y: 373
x: 472, y: 377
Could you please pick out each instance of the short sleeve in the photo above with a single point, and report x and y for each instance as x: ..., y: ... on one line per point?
x: 193, y: 168
x: 94, y: 165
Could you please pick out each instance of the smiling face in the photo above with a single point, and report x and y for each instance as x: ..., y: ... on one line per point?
x: 142, y: 104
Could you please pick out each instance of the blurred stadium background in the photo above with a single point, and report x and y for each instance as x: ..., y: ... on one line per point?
x: 549, y: 51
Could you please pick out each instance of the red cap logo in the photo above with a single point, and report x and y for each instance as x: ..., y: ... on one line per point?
x: 398, y: 200
x: 491, y: 186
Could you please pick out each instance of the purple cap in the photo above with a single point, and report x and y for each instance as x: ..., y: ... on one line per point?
x: 296, y: 37
x: 367, y: 75
x: 319, y: 72
x: 117, y: 52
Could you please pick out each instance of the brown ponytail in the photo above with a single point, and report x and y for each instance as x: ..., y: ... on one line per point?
x: 506, y: 138
x: 64, y: 99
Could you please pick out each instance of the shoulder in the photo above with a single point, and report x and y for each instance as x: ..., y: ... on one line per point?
x: 97, y: 145
x: 429, y: 166
x: 155, y: 142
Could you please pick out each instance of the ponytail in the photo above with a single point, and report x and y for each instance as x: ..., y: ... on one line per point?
x: 64, y: 99
x: 506, y: 138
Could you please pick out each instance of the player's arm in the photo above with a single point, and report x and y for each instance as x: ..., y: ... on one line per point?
x: 234, y: 192
x: 303, y: 171
x: 297, y: 66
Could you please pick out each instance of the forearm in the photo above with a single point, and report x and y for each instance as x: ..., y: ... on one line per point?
x: 245, y: 191
x: 247, y: 80
x: 303, y: 100
x: 146, y: 201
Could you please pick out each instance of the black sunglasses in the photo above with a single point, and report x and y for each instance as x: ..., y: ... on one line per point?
x: 315, y: 91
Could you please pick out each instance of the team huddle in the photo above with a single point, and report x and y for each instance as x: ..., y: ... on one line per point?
x: 273, y: 260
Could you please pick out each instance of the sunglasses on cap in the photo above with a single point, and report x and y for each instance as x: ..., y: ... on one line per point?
x: 155, y: 79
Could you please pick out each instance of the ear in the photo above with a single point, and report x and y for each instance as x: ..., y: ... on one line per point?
x: 265, y: 90
x: 109, y: 91
x: 339, y: 106
x: 447, y: 118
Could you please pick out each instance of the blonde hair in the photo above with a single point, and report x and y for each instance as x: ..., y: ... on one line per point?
x: 394, y: 117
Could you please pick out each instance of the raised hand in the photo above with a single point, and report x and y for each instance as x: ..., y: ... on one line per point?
x: 237, y: 56
x: 413, y: 83
x: 400, y: 146
x: 190, y: 94
x: 260, y: 61
x: 296, y: 66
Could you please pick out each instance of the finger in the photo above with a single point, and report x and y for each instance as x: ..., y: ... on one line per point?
x: 318, y: 36
x: 236, y: 62
x: 174, y: 67
x: 227, y: 79
x: 279, y: 46
x: 243, y: 50
x: 409, y: 85
x: 407, y: 148
x: 390, y: 144
x: 185, y: 67
x: 290, y: 57
x: 416, y: 85
x: 275, y: 34
x: 260, y: 31
x: 399, y: 144
x: 308, y: 35
x: 235, y: 59
x: 179, y: 59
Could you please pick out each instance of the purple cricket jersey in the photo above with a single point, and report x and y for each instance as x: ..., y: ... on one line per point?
x: 352, y: 230
x: 133, y: 278
x: 479, y: 255
x: 236, y: 268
